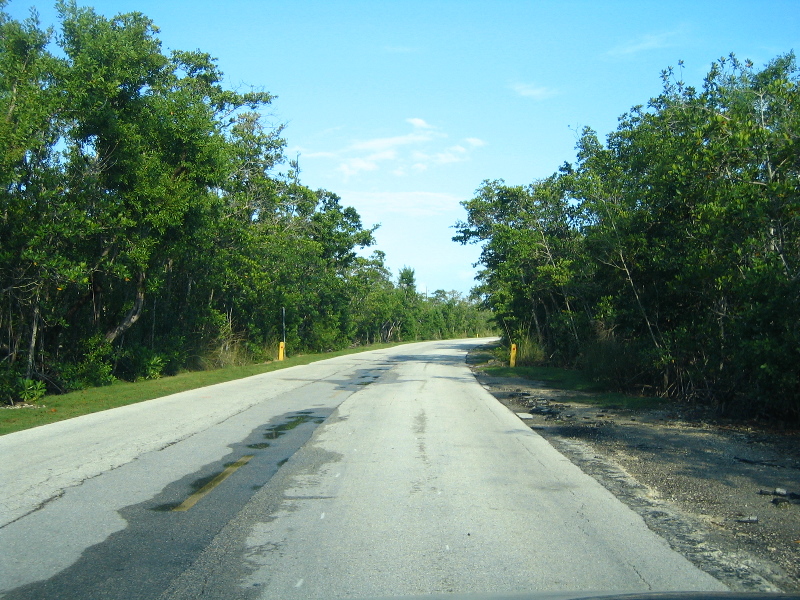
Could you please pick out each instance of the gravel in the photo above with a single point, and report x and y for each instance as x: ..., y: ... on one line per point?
x: 726, y: 496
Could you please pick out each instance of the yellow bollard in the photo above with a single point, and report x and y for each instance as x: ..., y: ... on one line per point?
x: 282, y: 351
x: 513, y: 361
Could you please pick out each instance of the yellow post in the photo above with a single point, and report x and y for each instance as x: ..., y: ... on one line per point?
x: 282, y: 351
x: 513, y: 361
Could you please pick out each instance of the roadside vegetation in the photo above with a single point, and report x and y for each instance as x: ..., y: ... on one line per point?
x: 121, y: 393
x: 151, y: 223
x: 664, y: 261
x: 493, y: 361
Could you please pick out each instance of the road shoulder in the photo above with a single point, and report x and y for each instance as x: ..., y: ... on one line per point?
x: 709, y: 489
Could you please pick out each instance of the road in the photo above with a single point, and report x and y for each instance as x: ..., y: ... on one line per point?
x: 385, y: 473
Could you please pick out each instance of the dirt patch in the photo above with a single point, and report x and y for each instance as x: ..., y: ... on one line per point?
x: 727, y: 497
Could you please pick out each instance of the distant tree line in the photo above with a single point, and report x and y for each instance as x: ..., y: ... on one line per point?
x: 145, y: 227
x: 667, y: 259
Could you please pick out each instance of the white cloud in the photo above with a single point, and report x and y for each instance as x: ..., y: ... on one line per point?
x: 414, y: 204
x: 419, y: 149
x: 354, y: 166
x: 419, y: 123
x: 391, y: 142
x: 643, y: 43
x: 331, y: 130
x: 528, y: 90
x: 384, y: 155
x: 318, y: 155
x: 451, y: 155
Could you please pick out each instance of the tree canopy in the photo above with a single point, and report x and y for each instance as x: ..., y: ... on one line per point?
x: 150, y: 221
x: 666, y: 259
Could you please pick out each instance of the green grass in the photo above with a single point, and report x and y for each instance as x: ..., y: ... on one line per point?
x: 618, y: 400
x: 66, y: 406
x: 563, y: 379
x: 574, y: 380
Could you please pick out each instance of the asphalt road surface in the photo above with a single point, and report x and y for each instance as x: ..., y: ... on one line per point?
x: 385, y: 473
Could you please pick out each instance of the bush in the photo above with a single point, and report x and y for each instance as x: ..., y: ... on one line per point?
x: 140, y: 362
x: 8, y: 387
x: 30, y: 390
x: 14, y: 387
x: 529, y: 352
x: 614, y: 364
x: 96, y: 368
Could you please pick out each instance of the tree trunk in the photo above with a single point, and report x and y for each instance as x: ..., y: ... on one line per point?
x: 34, y: 333
x: 133, y: 314
x: 639, y: 301
x: 539, y: 334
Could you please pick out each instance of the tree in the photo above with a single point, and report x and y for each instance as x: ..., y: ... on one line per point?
x: 667, y: 258
x: 30, y: 257
x: 147, y: 225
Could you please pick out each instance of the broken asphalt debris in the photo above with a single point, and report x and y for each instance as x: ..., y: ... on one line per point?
x: 782, y: 498
x: 748, y: 519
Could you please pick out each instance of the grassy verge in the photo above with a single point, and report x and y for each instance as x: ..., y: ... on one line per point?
x: 592, y: 393
x: 562, y: 379
x: 122, y: 393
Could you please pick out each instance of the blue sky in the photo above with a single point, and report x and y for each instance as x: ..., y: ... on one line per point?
x: 404, y: 107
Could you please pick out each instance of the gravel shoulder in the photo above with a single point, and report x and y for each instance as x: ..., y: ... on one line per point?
x: 725, y: 496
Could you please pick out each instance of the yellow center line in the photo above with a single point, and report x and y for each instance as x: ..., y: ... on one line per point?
x: 195, y: 498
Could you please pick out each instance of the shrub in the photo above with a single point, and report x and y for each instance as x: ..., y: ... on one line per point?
x: 30, y: 390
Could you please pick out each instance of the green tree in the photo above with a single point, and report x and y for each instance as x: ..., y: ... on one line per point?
x: 147, y: 225
x: 667, y: 258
